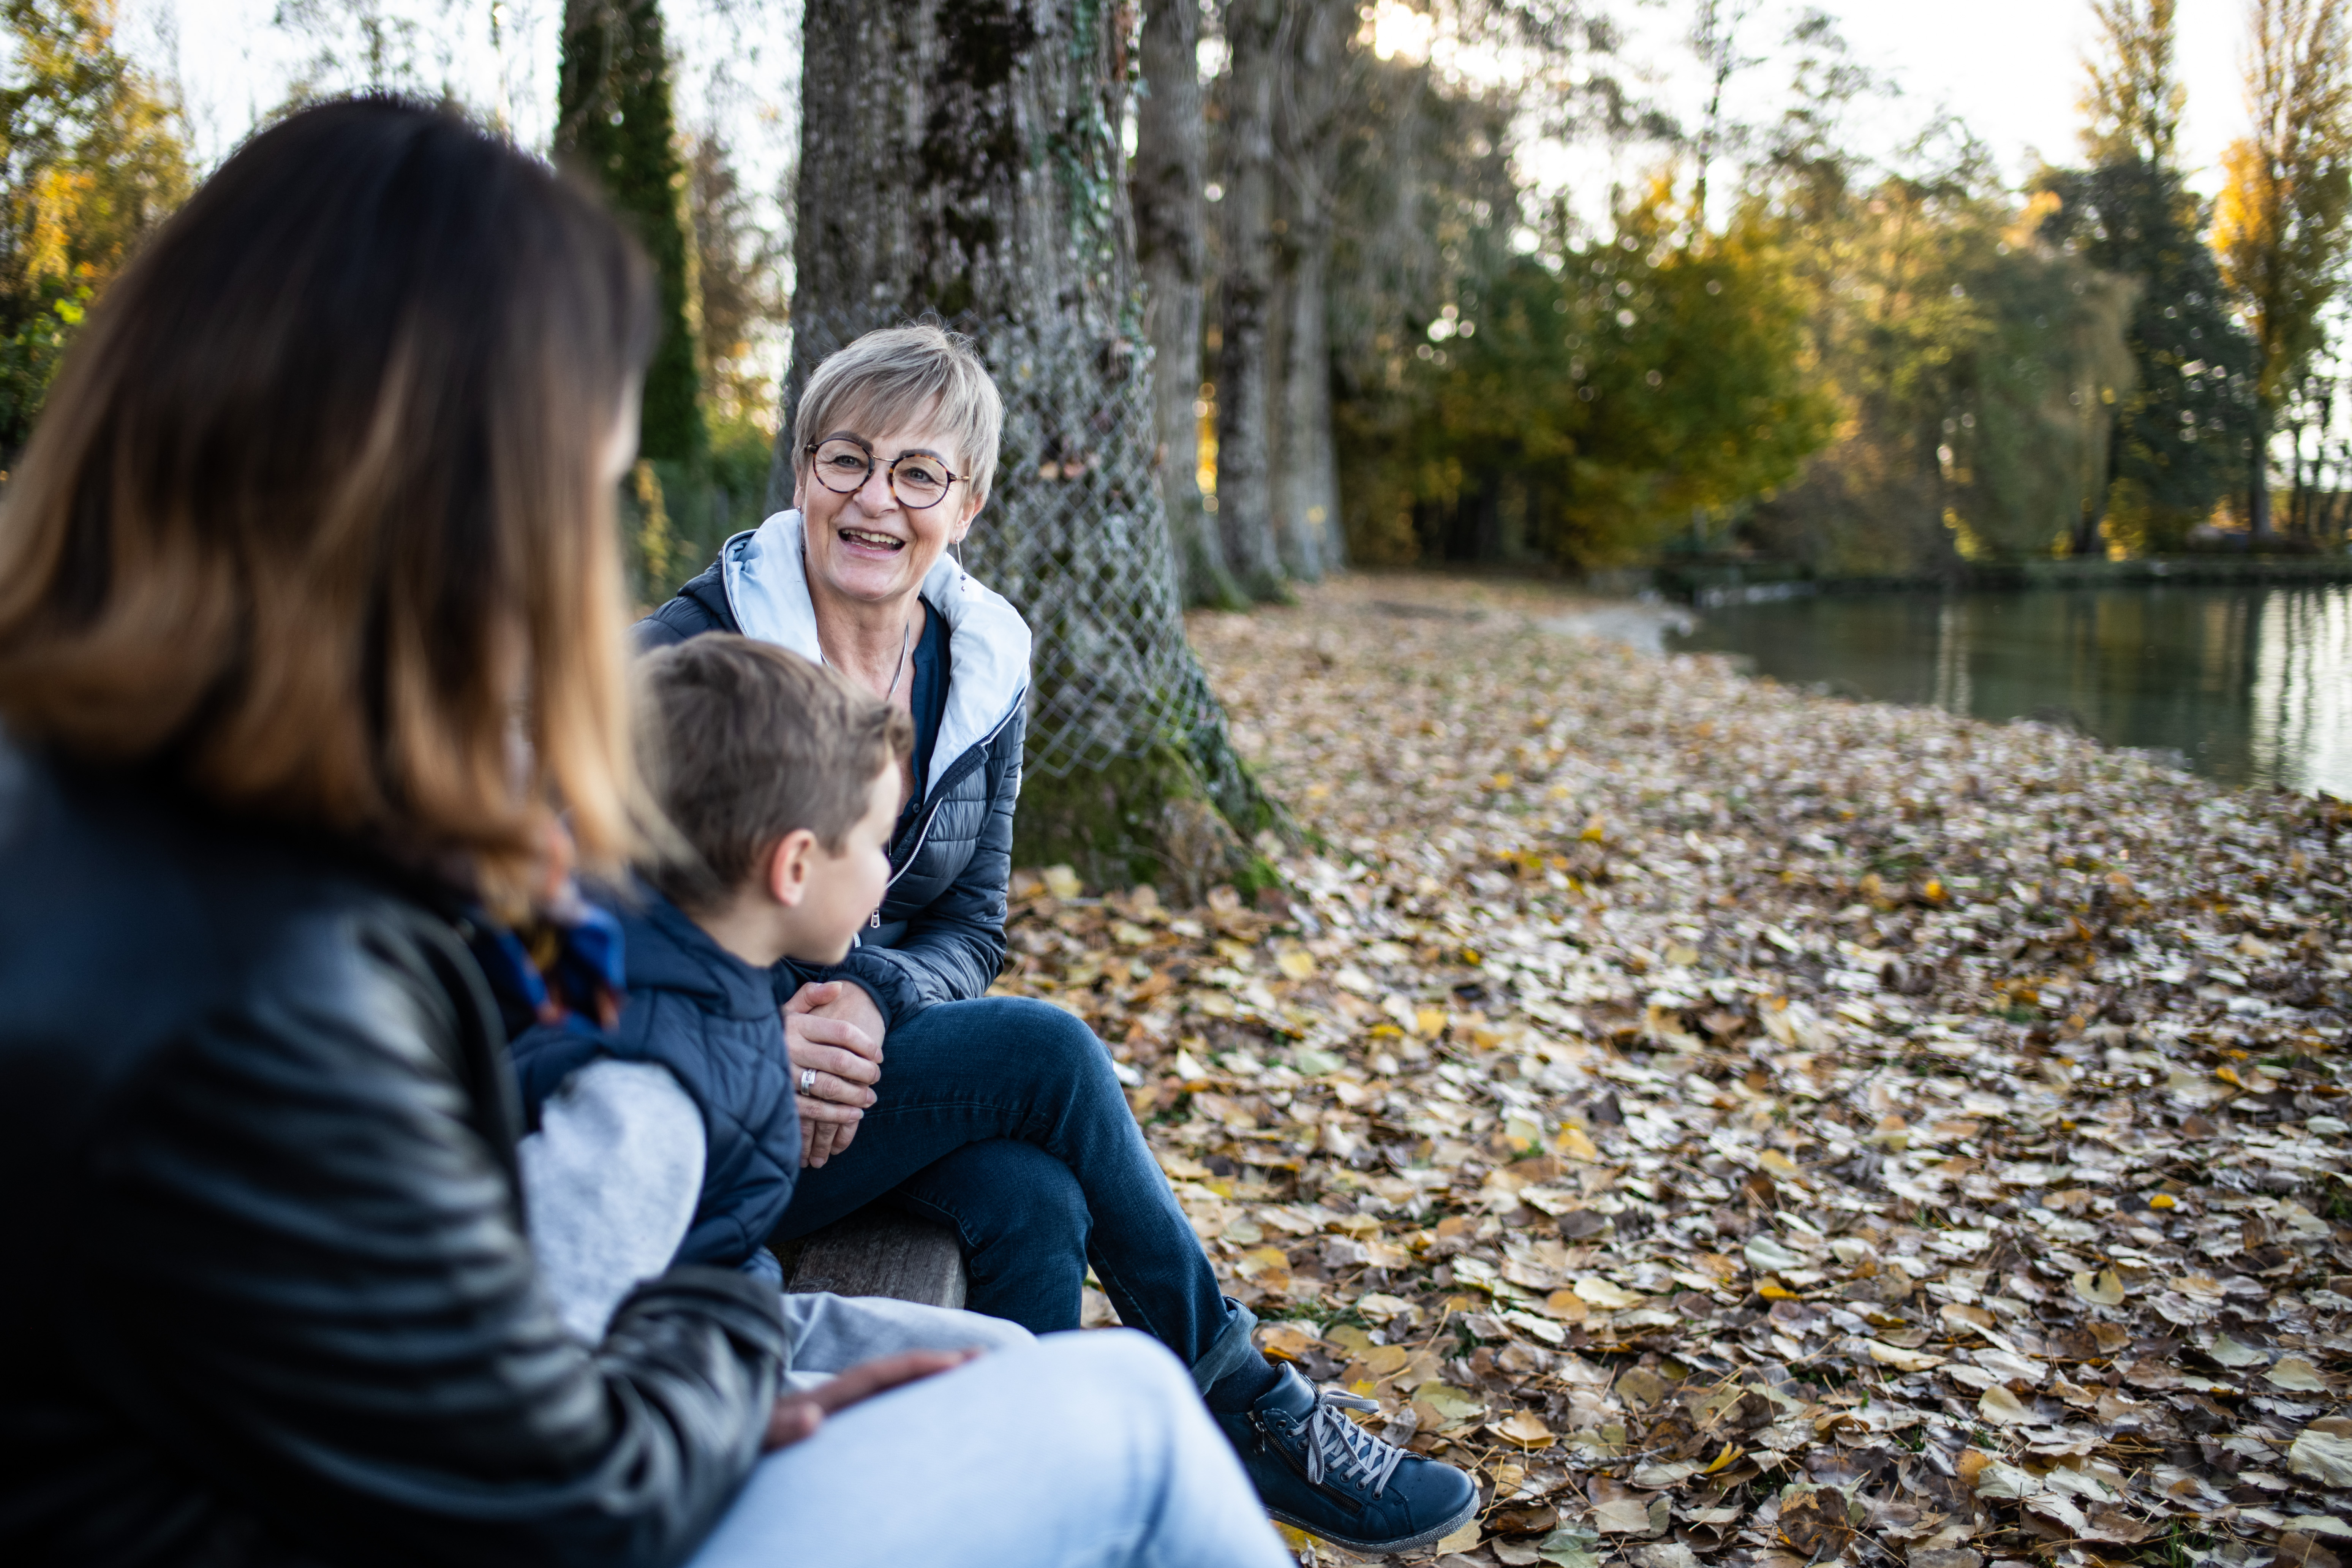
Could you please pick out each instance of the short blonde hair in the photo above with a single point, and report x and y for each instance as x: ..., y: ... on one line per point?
x: 895, y: 376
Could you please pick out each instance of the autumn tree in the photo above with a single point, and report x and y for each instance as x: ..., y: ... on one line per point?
x: 91, y: 159
x: 615, y: 126
x: 959, y: 158
x: 2177, y: 438
x: 2280, y: 227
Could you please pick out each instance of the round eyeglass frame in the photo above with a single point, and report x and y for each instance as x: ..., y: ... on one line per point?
x: 890, y: 471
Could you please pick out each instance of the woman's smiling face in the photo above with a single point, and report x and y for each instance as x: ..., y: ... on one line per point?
x: 866, y: 546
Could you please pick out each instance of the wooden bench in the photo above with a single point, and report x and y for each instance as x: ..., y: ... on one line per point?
x: 879, y: 1251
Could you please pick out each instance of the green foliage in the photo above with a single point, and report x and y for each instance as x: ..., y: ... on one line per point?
x: 1586, y: 406
x: 2181, y: 436
x: 615, y: 124
x: 1971, y: 362
x: 90, y: 162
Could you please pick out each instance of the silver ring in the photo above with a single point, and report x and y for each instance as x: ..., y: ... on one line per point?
x: 808, y: 1080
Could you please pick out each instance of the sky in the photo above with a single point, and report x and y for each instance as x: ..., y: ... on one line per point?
x: 2011, y: 68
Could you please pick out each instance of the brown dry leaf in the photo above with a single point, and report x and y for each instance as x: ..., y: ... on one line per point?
x: 1523, y: 1428
x: 1815, y: 1524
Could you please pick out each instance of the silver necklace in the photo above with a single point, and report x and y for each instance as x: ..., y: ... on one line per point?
x: 906, y: 635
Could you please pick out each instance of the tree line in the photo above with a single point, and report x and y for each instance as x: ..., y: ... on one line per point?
x: 1372, y: 337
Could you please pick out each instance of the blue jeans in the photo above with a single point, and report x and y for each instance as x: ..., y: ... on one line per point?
x: 1002, y: 1119
x: 1084, y: 1451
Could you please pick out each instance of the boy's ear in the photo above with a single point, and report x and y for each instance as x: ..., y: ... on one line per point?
x: 785, y: 876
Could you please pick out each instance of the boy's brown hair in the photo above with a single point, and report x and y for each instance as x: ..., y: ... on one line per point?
x: 745, y: 743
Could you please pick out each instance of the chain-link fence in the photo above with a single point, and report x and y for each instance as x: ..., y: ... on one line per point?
x: 1076, y: 536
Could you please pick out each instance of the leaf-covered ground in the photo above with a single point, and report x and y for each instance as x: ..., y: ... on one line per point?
x: 1754, y: 1128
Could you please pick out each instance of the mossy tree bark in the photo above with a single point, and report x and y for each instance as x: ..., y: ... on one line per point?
x: 959, y: 158
x: 615, y: 126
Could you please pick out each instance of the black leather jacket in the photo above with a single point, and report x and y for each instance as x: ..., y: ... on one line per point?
x: 268, y: 1300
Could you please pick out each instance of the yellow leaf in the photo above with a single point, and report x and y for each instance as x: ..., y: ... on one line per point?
x: 1772, y: 1293
x: 1573, y: 1143
x: 2103, y: 1291
x: 1297, y: 963
x: 1778, y: 1163
x: 1567, y: 1306
x: 1731, y: 1453
x: 1061, y: 881
x: 1286, y: 1340
x: 2163, y: 1200
x: 1262, y: 1260
x: 1524, y: 1427
x: 1386, y: 1360
x: 1465, y: 1539
x: 1429, y: 1023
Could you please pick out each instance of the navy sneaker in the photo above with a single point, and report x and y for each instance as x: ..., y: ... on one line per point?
x: 1318, y: 1471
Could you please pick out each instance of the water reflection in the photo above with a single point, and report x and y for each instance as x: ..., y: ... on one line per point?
x: 2248, y: 685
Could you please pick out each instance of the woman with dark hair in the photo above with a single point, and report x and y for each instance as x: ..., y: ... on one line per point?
x: 310, y: 628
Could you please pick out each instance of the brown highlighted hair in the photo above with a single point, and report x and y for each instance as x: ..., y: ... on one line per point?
x: 313, y: 525
x: 745, y: 743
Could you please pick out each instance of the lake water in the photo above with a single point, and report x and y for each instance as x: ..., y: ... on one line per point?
x: 2248, y: 685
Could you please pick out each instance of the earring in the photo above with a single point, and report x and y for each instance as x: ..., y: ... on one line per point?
x: 957, y: 545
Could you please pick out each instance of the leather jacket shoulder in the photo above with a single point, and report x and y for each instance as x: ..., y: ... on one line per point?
x: 271, y: 1301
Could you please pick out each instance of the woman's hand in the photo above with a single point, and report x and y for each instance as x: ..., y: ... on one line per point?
x: 797, y: 1415
x: 834, y: 1028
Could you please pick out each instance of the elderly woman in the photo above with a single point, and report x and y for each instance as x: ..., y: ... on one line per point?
x: 998, y: 1115
x: 316, y: 529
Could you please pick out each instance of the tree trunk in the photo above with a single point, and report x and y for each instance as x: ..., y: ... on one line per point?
x: 1307, y: 484
x: 961, y: 159
x: 2258, y: 476
x: 1245, y: 375
x: 614, y: 127
x: 1171, y: 243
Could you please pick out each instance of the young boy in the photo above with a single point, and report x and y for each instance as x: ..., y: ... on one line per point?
x: 673, y: 1137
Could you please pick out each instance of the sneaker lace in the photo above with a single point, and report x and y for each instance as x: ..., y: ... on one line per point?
x: 1336, y: 1442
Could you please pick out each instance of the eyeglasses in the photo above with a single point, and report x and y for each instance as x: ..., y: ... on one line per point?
x: 843, y: 463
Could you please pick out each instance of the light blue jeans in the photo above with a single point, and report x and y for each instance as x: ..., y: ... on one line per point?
x: 1077, y: 1450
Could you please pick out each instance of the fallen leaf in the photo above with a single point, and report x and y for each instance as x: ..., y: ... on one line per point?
x: 2230, y: 1352
x: 1523, y: 1428
x: 1903, y: 1360
x: 1814, y: 1523
x: 1465, y: 1539
x: 2001, y: 1407
x: 1596, y: 1291
x: 2102, y: 1289
x: 2296, y: 1375
x: 1286, y: 1340
x: 2321, y: 1457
